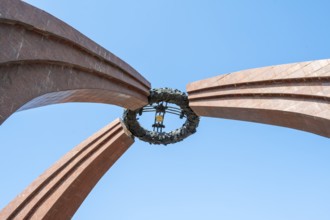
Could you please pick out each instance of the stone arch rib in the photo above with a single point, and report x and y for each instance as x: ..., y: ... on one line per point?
x: 45, y: 61
x: 292, y: 95
x: 59, y: 192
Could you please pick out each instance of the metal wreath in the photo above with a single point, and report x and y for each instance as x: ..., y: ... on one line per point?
x: 173, y: 96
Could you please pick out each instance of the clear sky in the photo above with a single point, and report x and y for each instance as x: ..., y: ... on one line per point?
x: 230, y: 170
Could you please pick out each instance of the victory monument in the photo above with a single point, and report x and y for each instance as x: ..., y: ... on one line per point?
x: 44, y: 61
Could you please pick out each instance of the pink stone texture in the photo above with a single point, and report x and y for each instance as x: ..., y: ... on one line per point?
x: 292, y: 95
x: 45, y: 61
x: 59, y: 192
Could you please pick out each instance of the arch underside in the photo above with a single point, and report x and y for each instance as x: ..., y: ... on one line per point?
x: 30, y: 85
x: 58, y: 193
x: 45, y: 61
x: 292, y: 95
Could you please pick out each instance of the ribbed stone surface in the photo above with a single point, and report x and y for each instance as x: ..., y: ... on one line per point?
x: 45, y: 61
x: 292, y: 95
x: 58, y: 193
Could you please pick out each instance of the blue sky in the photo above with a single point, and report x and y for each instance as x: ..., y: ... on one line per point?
x: 229, y: 169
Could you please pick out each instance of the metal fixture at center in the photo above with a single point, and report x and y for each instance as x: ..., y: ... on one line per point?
x: 158, y: 103
x: 160, y: 110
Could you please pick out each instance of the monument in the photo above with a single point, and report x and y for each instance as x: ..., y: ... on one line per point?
x: 50, y: 62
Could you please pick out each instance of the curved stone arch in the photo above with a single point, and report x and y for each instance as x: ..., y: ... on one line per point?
x: 77, y: 69
x: 45, y: 61
x: 60, y: 190
x: 292, y: 95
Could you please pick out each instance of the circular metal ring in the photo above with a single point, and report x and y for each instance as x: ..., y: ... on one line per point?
x: 168, y: 95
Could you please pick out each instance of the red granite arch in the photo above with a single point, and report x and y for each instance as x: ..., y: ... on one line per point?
x: 58, y: 193
x: 293, y: 95
x: 45, y: 61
